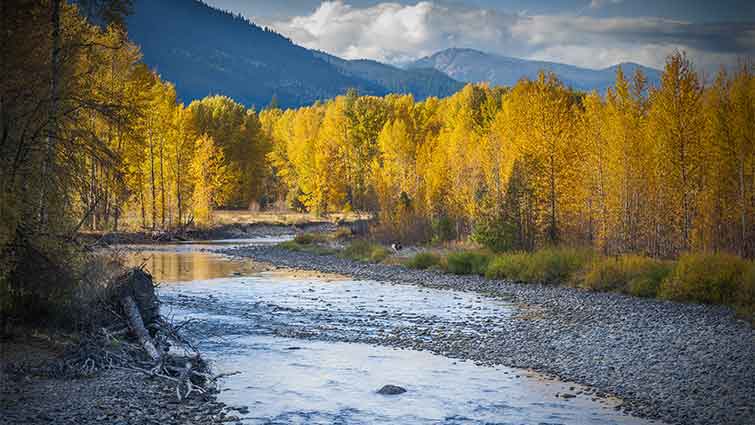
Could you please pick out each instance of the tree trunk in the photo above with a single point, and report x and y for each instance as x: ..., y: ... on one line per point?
x: 136, y: 323
x: 152, y: 178
x: 162, y: 181
x: 52, y: 124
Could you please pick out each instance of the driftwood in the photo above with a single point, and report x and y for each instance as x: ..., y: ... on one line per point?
x: 136, y: 324
x: 141, y: 310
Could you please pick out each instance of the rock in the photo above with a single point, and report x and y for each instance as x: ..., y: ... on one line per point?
x: 391, y: 390
x: 567, y: 395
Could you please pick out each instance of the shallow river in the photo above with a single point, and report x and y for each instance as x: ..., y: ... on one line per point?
x: 305, y: 344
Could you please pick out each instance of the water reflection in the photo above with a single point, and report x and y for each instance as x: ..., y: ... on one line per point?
x: 186, y: 266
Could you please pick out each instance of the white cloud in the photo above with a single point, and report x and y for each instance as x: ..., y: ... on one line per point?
x: 397, y: 33
x: 394, y: 32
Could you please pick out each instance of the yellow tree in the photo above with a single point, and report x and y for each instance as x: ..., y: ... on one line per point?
x: 542, y: 117
x: 592, y: 130
x: 212, y: 179
x: 676, y: 124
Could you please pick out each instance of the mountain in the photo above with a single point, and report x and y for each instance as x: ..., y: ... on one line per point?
x: 473, y: 66
x: 421, y: 82
x: 206, y: 51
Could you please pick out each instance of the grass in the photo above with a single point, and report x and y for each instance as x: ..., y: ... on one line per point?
x: 293, y: 245
x: 630, y: 274
x: 549, y: 266
x: 710, y: 279
x: 423, y: 260
x: 362, y: 250
x: 467, y: 262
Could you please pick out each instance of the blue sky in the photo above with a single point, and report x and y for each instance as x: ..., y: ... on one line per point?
x: 591, y: 33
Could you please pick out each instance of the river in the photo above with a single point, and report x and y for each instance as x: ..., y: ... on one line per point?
x: 307, y: 346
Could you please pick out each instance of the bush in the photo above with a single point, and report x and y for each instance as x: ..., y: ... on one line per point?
x: 745, y: 298
x: 550, y: 265
x: 309, y: 238
x: 362, y: 250
x: 423, y: 260
x: 496, y: 235
x: 443, y: 230
x: 631, y: 274
x: 467, y: 262
x: 507, y: 266
x: 307, y: 247
x: 342, y: 233
x: 707, y: 278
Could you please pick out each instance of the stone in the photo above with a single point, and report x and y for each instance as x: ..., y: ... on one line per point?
x: 391, y: 390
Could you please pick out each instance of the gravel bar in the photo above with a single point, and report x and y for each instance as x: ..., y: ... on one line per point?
x: 679, y: 363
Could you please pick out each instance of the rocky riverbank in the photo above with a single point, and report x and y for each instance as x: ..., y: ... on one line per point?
x: 32, y: 393
x: 681, y: 363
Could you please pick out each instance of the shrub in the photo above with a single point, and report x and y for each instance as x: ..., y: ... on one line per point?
x: 550, y: 265
x: 310, y: 248
x: 379, y: 253
x: 632, y: 274
x: 745, y: 298
x: 706, y: 278
x: 342, y: 233
x: 467, y: 262
x: 423, y: 260
x: 507, y: 266
x: 496, y: 235
x: 309, y: 238
x: 443, y: 230
x: 362, y: 250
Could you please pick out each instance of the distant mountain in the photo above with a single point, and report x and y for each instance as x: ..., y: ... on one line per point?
x: 474, y: 66
x: 421, y: 82
x: 206, y: 51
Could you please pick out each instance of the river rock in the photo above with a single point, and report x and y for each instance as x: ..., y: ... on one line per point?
x: 391, y: 390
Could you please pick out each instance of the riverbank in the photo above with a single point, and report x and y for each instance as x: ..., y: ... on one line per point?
x: 216, y: 232
x: 682, y: 363
x: 31, y: 392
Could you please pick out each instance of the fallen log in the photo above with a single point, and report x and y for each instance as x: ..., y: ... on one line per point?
x: 136, y: 324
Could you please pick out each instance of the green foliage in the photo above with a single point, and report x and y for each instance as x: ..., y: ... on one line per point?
x: 342, y: 233
x: 707, y: 278
x: 632, y: 274
x: 467, y: 262
x: 423, y: 260
x: 362, y: 250
x: 550, y: 265
x: 496, y: 235
x: 443, y: 230
x: 310, y: 238
x: 306, y: 247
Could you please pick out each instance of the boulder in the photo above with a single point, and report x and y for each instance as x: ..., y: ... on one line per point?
x: 391, y: 390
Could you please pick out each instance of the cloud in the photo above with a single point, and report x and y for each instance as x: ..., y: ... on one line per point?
x: 398, y: 33
x: 597, y: 4
x: 394, y: 32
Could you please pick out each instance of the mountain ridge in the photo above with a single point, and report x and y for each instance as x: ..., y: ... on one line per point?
x: 471, y: 65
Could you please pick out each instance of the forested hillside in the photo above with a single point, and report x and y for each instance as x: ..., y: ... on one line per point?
x: 474, y: 66
x: 420, y: 82
x: 205, y: 51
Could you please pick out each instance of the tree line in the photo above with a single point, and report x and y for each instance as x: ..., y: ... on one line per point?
x: 652, y: 170
x: 91, y: 138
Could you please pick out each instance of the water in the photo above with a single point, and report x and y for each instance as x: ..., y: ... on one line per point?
x: 284, y: 332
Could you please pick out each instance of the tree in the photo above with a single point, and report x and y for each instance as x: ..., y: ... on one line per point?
x: 212, y: 179
x: 676, y: 123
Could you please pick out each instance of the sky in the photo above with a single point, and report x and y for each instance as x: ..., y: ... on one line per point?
x: 588, y: 33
